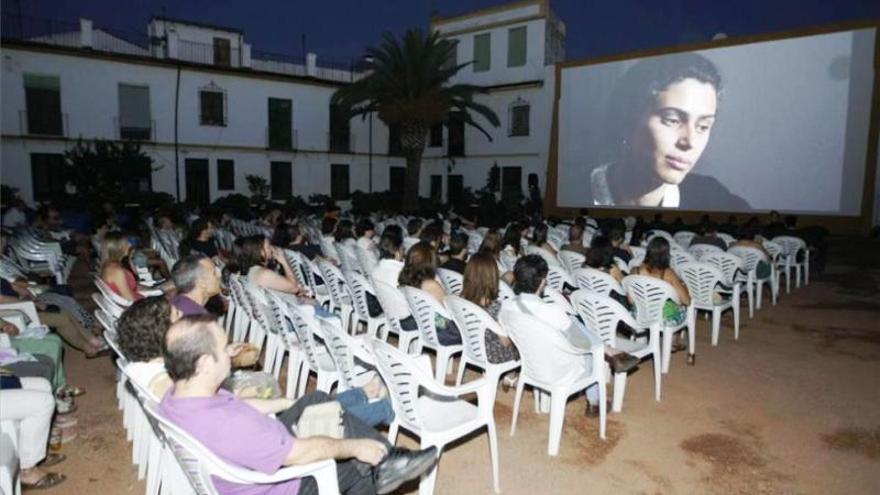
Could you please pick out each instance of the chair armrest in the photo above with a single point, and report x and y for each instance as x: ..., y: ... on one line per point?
x: 291, y: 472
x: 26, y: 307
x: 445, y: 390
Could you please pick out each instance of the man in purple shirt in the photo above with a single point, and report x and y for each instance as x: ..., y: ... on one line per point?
x: 242, y: 435
x: 196, y: 280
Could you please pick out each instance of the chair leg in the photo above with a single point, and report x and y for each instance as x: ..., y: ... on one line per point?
x: 429, y: 479
x: 750, y: 293
x: 619, y: 391
x: 303, y: 380
x: 294, y: 366
x: 393, y: 428
x: 493, y: 453
x: 603, y: 413
x: 759, y: 292
x: 667, y: 349
x: 462, y: 364
x: 442, y: 362
x: 520, y: 385
x: 716, y: 325
x: 557, y: 418
x: 658, y: 375
x: 736, y: 322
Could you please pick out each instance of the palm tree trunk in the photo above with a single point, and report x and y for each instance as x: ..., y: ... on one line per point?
x: 413, y: 174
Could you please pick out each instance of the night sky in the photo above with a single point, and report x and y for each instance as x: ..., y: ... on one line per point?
x: 338, y: 30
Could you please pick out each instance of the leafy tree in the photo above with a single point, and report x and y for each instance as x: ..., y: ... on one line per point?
x: 408, y: 85
x: 104, y: 170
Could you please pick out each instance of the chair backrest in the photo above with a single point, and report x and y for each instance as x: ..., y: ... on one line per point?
x: 360, y: 287
x: 601, y: 314
x: 347, y: 258
x: 727, y: 263
x: 258, y: 305
x: 699, y: 251
x: 546, y: 356
x: 452, y: 280
x: 553, y: 296
x: 299, y: 271
x: 679, y: 256
x: 276, y: 303
x: 727, y: 238
x: 334, y: 281
x: 790, y: 245
x: 549, y: 258
x: 327, y: 248
x: 402, y: 376
x: 750, y: 257
x: 305, y: 325
x: 473, y: 321
x: 660, y: 233
x: 393, y: 303
x: 649, y: 294
x: 596, y: 281
x: 112, y: 309
x: 774, y: 249
x: 701, y: 280
x: 424, y: 308
x: 367, y: 259
x: 570, y: 260
x: 684, y: 237
x: 557, y: 278
x: 344, y: 348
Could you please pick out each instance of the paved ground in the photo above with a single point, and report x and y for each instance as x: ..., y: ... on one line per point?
x: 792, y: 407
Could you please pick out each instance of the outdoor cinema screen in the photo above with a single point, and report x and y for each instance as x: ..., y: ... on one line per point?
x: 773, y: 125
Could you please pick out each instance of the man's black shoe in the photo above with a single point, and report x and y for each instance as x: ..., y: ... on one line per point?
x: 402, y: 465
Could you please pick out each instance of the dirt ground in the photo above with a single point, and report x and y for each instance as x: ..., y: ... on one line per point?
x: 793, y: 406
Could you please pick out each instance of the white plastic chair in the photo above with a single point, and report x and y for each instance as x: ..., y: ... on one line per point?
x: 754, y: 285
x: 473, y: 322
x: 549, y: 258
x: 424, y: 308
x: 732, y: 271
x: 340, y: 300
x: 791, y: 246
x: 437, y: 417
x: 10, y: 482
x: 557, y: 278
x: 602, y: 315
x: 683, y: 238
x: 201, y: 465
x: 551, y: 364
x: 505, y: 292
x: 597, y: 281
x: 649, y: 295
x: 360, y: 287
x: 702, y: 280
x: 452, y: 281
x: 699, y: 251
x: 570, y: 260
x: 395, y: 309
x: 317, y: 357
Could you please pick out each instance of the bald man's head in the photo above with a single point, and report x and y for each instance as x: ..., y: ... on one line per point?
x: 187, y: 341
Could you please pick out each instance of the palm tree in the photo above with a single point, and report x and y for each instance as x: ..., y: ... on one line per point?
x: 407, y: 84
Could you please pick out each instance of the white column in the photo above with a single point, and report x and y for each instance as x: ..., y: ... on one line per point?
x: 172, y: 45
x: 86, y: 33
x: 246, y: 55
x: 311, y: 64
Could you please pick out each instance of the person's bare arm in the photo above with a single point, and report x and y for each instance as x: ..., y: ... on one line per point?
x: 270, y: 280
x: 314, y: 449
x: 269, y: 406
x: 679, y: 286
x: 433, y: 288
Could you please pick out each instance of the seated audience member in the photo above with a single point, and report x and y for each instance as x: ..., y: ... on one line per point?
x: 656, y: 265
x: 492, y: 246
x: 32, y: 407
x: 729, y: 228
x: 511, y: 242
x: 344, y: 234
x: 457, y: 253
x: 481, y: 288
x: 619, y: 249
x: 14, y: 214
x: 115, y: 270
x: 366, y: 233
x: 68, y: 327
x: 708, y: 234
x: 200, y: 240
x: 601, y: 257
x: 291, y: 237
x: 576, y: 240
x: 258, y: 261
x: 48, y: 352
x: 328, y: 225
x: 196, y: 279
x: 530, y: 278
x: 419, y: 271
x: 413, y: 230
x: 391, y: 255
x: 539, y: 238
x: 195, y: 357
x: 142, y: 328
x: 432, y: 233
x: 12, y: 360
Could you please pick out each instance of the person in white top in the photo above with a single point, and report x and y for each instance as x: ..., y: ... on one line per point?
x: 530, y: 278
x: 390, y: 256
x: 14, y: 216
x: 366, y: 232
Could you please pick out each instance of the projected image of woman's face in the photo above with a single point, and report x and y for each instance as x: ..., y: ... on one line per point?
x: 675, y: 132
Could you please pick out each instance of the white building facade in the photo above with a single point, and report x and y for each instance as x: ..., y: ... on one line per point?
x: 241, y: 112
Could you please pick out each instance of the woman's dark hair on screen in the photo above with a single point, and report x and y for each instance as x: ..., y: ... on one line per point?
x: 639, y: 86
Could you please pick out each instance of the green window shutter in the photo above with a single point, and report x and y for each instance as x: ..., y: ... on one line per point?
x: 39, y: 81
x: 516, y: 47
x: 482, y: 52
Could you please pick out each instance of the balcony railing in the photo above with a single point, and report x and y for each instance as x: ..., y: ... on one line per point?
x: 340, y: 142
x: 135, y: 132
x: 43, y: 124
x: 277, y: 140
x: 203, y: 53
